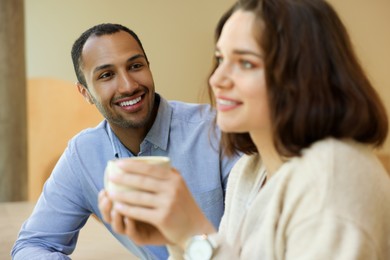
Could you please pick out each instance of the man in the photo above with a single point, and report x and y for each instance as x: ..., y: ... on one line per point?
x: 113, y: 74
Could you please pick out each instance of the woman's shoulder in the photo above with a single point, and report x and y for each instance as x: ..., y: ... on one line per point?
x: 336, y: 147
x: 339, y: 155
x: 340, y: 174
x: 344, y: 180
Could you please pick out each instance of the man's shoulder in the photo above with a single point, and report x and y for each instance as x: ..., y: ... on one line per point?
x: 90, y: 136
x: 192, y: 112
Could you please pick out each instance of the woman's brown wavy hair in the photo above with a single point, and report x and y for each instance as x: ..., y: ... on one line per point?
x: 315, y: 83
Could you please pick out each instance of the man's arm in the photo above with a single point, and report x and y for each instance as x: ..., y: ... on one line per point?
x: 34, y: 253
x: 51, y: 231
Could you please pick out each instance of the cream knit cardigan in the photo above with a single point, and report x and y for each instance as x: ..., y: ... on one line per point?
x: 331, y: 203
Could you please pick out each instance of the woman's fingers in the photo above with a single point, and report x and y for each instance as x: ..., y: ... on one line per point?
x: 150, y: 192
x: 131, y: 166
x: 136, y: 212
x: 136, y: 181
x: 143, y: 233
x: 117, y: 223
x: 105, y: 206
x: 136, y: 198
x: 165, y: 204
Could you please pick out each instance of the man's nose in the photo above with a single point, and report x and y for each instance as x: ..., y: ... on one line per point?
x: 127, y: 83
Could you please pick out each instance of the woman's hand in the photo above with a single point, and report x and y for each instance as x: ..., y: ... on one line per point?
x: 105, y: 206
x: 127, y: 226
x: 160, y: 198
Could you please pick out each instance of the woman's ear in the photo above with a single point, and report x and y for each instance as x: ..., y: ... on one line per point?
x: 84, y: 91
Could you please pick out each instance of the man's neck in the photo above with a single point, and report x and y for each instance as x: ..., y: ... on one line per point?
x: 131, y: 138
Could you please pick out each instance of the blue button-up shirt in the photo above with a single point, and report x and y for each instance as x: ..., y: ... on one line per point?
x: 181, y: 131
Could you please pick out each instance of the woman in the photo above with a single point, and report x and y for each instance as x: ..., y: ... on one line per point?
x: 291, y: 95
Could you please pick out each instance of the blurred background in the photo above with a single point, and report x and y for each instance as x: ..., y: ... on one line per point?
x: 178, y: 39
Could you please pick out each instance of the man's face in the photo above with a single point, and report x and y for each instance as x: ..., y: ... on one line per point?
x: 119, y: 80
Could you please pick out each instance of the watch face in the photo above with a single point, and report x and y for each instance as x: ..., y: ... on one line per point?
x: 200, y: 249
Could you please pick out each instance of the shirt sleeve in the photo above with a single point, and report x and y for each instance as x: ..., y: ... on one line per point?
x: 52, y: 230
x: 35, y: 253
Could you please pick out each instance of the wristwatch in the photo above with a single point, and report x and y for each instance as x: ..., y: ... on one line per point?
x: 200, y: 247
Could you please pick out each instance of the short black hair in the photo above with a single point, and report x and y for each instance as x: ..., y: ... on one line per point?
x: 97, y: 30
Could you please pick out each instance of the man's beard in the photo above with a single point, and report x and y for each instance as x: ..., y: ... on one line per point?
x: 119, y: 120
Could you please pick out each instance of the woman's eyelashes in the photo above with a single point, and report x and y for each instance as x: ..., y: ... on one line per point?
x: 245, y: 64
x: 218, y: 59
x: 241, y: 63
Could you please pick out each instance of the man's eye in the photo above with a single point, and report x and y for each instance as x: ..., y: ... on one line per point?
x: 105, y: 75
x: 136, y: 66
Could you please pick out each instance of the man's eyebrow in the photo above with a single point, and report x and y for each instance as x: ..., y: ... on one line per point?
x: 101, y: 67
x: 106, y: 66
x: 137, y: 56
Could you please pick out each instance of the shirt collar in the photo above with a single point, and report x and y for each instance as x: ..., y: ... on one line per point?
x: 158, y: 135
x: 116, y: 144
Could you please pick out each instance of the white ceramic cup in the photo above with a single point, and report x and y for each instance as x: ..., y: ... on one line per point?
x: 112, y: 167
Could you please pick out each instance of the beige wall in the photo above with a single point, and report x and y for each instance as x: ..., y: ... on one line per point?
x: 177, y: 37
x: 369, y: 27
x: 49, y: 130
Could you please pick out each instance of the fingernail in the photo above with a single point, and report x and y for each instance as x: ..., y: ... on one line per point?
x: 119, y: 205
x: 112, y: 193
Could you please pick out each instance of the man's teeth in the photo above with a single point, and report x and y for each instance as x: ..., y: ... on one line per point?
x: 130, y: 102
x: 225, y: 102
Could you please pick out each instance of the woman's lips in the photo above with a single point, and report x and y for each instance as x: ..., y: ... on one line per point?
x: 224, y: 104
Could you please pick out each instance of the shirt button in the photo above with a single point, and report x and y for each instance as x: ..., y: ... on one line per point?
x: 155, y: 146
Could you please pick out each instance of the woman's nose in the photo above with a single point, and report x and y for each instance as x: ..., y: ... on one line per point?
x: 221, y: 77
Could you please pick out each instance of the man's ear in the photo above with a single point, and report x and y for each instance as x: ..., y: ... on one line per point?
x: 84, y: 91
